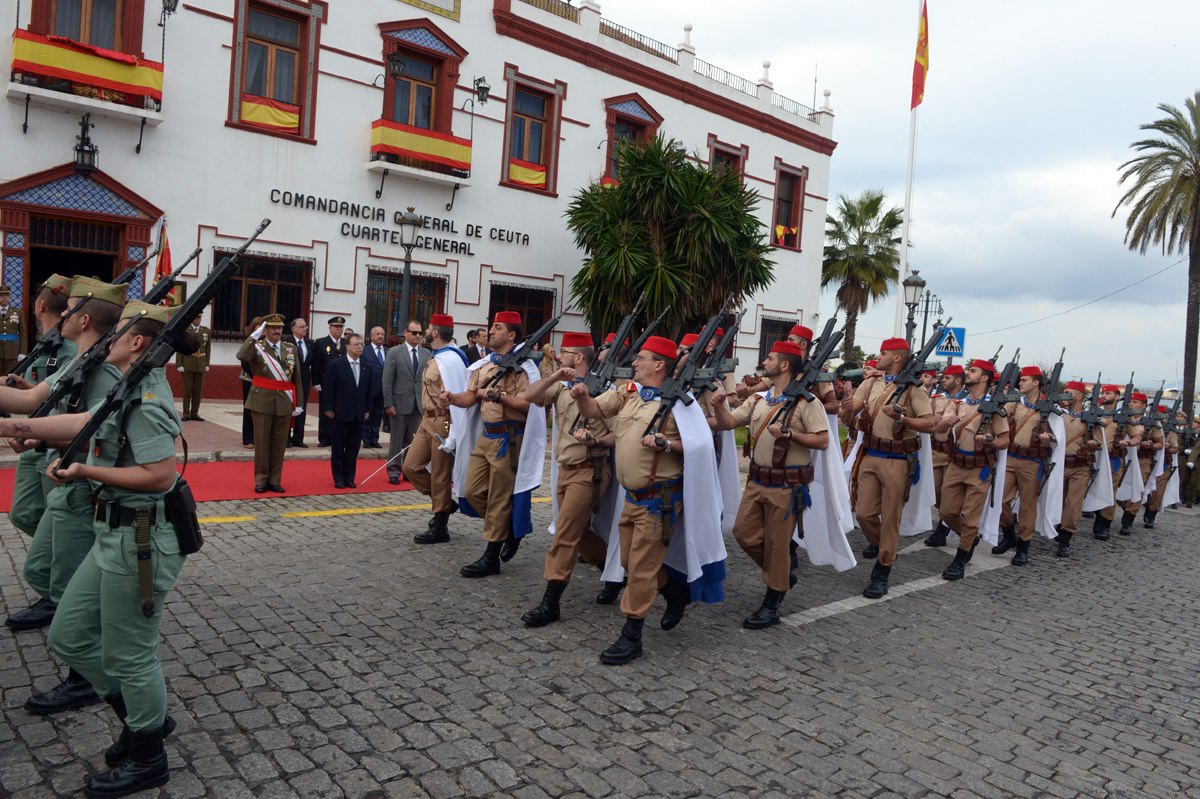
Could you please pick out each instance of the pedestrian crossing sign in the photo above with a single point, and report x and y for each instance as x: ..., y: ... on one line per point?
x: 953, y: 340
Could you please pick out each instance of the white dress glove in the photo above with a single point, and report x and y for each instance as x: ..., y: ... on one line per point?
x: 297, y: 411
x: 257, y: 334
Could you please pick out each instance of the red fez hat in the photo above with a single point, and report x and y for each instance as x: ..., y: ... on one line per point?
x: 932, y: 372
x: 787, y: 348
x: 1163, y: 409
x: 954, y: 369
x: 577, y: 340
x: 1075, y: 385
x: 661, y: 346
x: 803, y: 332
x: 508, y: 318
x: 1113, y: 387
x: 442, y: 320
x: 720, y: 331
x: 610, y: 338
x: 689, y: 339
x: 872, y: 363
x: 980, y: 363
x: 1031, y: 371
x: 890, y: 344
x: 1138, y: 396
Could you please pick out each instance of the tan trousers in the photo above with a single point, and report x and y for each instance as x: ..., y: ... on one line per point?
x: 880, y: 502
x: 1110, y: 512
x: 642, y: 553
x: 963, y: 498
x: 490, y: 482
x: 435, y: 484
x: 1075, y: 484
x: 193, y: 387
x: 1020, y: 477
x: 573, y: 533
x: 270, y: 444
x: 1134, y: 505
x: 939, y: 474
x: 763, y: 528
x: 1154, y: 504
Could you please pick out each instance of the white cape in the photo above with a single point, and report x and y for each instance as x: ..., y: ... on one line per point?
x: 454, y: 380
x: 729, y: 476
x: 1156, y: 471
x: 1131, y: 487
x: 1171, y: 494
x: 830, y: 517
x: 1100, y: 493
x: 915, y: 518
x: 1050, y: 500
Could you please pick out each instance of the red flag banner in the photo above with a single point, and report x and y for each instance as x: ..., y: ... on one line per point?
x: 163, y: 267
x: 921, y: 62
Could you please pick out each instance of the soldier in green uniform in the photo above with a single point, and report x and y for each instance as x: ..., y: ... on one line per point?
x: 194, y: 367
x: 12, y: 332
x: 272, y: 401
x: 101, y: 629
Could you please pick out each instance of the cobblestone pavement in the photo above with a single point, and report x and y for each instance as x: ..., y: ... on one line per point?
x: 328, y: 656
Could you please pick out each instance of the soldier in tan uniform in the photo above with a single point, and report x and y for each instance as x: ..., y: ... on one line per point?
x: 940, y: 401
x: 1080, y: 447
x: 425, y: 449
x: 1029, y: 450
x: 1110, y: 395
x: 194, y: 367
x: 582, y: 452
x: 274, y: 392
x: 884, y: 469
x: 1149, y: 446
x: 492, y: 469
x: 968, y: 480
x: 650, y: 469
x: 12, y: 332
x: 781, y: 469
x: 1170, y: 452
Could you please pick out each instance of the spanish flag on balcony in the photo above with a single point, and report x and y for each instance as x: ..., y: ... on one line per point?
x: 526, y: 173
x: 58, y: 57
x: 272, y: 114
x: 425, y: 145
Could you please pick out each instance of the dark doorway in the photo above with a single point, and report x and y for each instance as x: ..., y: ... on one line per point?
x: 44, y: 262
x: 536, y: 306
x: 427, y: 296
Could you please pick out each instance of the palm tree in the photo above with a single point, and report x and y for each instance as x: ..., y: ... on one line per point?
x: 862, y: 255
x: 1164, y: 201
x: 685, y: 235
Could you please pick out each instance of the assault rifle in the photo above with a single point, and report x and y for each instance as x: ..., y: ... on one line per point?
x: 162, y: 348
x: 677, y: 387
x: 993, y: 404
x: 1152, y: 419
x: 992, y: 360
x: 72, y: 382
x: 1047, y: 405
x: 1094, y: 414
x: 1121, y: 415
x: 910, y: 373
x: 800, y: 386
x: 512, y: 360
x: 713, y: 366
x: 623, y: 367
x: 600, y: 374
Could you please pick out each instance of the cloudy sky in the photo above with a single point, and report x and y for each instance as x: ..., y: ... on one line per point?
x: 1030, y: 107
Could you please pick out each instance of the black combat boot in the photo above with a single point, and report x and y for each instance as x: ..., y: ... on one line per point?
x: 938, y: 537
x: 609, y: 593
x: 438, y: 532
x: 115, y: 755
x: 1148, y: 519
x: 1100, y: 527
x: 146, y: 767
x: 1127, y: 518
x: 678, y: 596
x: 1087, y: 514
x: 878, y: 586
x: 870, y: 552
x: 1064, y: 544
x: 794, y: 553
x: 39, y: 614
x: 547, y: 611
x: 958, y: 567
x: 768, y: 614
x: 974, y: 544
x: 1022, y: 556
x: 627, y: 647
x: 488, y: 564
x: 74, y: 691
x: 1008, y: 540
x: 509, y: 548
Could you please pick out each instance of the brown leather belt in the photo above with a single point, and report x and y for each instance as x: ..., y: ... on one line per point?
x: 1034, y: 451
x: 903, y: 446
x: 437, y: 414
x: 576, y: 467
x: 972, y: 460
x: 1074, y: 461
x: 781, y: 478
x: 517, y: 426
x: 656, y: 491
x: 946, y: 446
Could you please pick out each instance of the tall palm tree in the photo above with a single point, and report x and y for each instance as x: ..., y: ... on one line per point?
x: 1164, y: 209
x: 862, y: 255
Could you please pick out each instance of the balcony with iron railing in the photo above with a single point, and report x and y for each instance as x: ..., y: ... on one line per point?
x: 423, y: 154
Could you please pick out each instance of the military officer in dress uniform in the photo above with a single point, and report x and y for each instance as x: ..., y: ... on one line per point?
x: 939, y: 400
x: 883, y: 471
x: 1080, y: 448
x: 194, y: 367
x: 12, y: 332
x: 1028, y: 453
x: 275, y: 390
x: 326, y: 350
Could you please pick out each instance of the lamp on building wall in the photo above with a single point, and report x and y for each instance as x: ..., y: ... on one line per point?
x: 410, y: 225
x: 169, y: 7
x: 87, y: 155
x: 482, y: 90
x: 913, y: 285
x: 395, y: 64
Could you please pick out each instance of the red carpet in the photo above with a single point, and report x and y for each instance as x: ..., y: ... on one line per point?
x: 212, y: 482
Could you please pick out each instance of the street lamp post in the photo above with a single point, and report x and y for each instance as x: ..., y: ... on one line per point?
x: 913, y: 285
x: 930, y: 302
x: 410, y: 224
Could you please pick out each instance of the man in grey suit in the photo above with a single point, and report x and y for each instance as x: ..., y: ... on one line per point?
x: 402, y: 369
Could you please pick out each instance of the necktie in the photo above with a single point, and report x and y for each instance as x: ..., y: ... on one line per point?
x: 379, y: 353
x: 277, y: 354
x: 354, y: 368
x: 303, y: 350
x: 414, y: 356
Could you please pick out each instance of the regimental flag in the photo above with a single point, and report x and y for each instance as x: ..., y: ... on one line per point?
x: 526, y: 173
x: 921, y: 62
x: 272, y: 114
x: 394, y: 138
x: 163, y: 267
x: 59, y: 57
x: 782, y: 231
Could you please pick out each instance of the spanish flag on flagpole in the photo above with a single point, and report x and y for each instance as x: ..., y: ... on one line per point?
x: 921, y: 62
x: 163, y: 267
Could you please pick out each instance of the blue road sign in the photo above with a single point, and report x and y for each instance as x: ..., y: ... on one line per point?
x: 953, y: 342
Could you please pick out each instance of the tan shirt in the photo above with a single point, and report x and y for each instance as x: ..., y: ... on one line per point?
x: 758, y: 414
x: 968, y: 425
x: 431, y: 385
x: 635, y: 462
x: 874, y: 392
x: 569, y: 451
x: 1077, y: 434
x: 1023, y: 421
x: 513, y: 384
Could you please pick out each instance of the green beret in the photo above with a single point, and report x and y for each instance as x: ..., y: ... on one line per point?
x: 144, y: 310
x: 84, y: 286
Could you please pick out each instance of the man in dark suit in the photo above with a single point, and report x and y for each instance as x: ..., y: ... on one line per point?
x: 470, y: 348
x: 349, y: 389
x: 325, y: 350
x: 402, y: 372
x: 304, y: 351
x: 374, y: 353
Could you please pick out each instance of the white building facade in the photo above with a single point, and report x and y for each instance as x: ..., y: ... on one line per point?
x: 333, y: 118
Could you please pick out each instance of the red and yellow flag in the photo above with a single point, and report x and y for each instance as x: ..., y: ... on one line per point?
x: 921, y: 62
x: 271, y: 114
x: 526, y: 173
x: 57, y: 57
x: 163, y: 267
x: 427, y: 145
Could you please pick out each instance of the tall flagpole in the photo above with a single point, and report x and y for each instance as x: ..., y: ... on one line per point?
x: 908, y: 187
